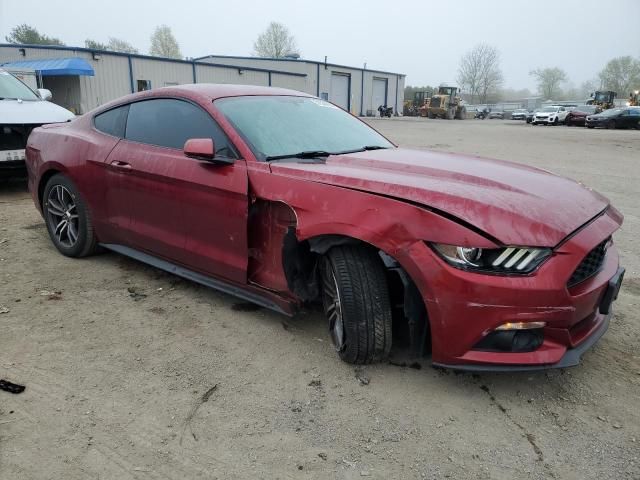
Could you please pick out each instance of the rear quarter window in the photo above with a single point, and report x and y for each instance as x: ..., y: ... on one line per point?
x: 112, y: 122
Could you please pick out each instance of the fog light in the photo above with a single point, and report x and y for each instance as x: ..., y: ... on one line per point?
x: 521, y: 325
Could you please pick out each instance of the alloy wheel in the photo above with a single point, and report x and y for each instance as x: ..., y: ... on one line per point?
x: 332, y: 306
x: 62, y: 216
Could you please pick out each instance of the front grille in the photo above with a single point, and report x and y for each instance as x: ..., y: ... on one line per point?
x: 435, y: 102
x: 590, y: 265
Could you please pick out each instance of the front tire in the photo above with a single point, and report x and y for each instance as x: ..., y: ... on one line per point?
x: 67, y: 218
x: 355, y: 298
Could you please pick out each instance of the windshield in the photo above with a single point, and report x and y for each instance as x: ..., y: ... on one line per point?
x: 549, y: 109
x: 586, y: 108
x: 277, y: 126
x: 13, y: 89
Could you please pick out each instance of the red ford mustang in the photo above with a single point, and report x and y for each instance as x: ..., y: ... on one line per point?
x: 281, y: 198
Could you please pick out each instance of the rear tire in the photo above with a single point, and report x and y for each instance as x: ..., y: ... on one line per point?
x: 356, y: 302
x: 67, y: 218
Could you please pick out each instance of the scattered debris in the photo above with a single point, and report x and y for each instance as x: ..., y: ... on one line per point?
x: 323, y: 456
x: 203, y: 399
x: 4, y: 240
x: 617, y: 425
x: 4, y: 309
x: 135, y: 294
x: 316, y: 382
x: 361, y: 376
x: 601, y: 418
x: 11, y: 387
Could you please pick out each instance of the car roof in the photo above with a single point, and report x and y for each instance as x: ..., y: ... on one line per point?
x: 202, y: 92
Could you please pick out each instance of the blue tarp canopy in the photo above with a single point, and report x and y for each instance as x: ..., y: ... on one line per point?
x: 55, y: 66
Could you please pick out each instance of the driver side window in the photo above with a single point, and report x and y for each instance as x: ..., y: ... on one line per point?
x: 169, y: 122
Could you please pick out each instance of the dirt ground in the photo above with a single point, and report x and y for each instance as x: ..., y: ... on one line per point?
x: 134, y: 374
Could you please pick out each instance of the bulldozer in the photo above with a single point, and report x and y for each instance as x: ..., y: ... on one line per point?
x: 602, y: 99
x: 445, y: 104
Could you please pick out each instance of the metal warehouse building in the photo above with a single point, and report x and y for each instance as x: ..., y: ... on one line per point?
x: 82, y: 79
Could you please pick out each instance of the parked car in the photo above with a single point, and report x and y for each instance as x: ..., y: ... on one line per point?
x: 547, y: 115
x: 615, y: 118
x: 530, y: 116
x: 21, y: 110
x: 564, y: 111
x: 519, y: 114
x: 283, y: 199
x: 496, y: 114
x: 578, y: 115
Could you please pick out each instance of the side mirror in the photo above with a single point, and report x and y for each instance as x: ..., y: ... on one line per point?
x: 204, y: 149
x: 45, y: 94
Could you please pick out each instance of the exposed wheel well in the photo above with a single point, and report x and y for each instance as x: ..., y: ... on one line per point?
x: 300, y: 264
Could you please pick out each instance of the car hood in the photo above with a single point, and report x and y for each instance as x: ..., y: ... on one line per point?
x: 513, y: 203
x: 32, y: 112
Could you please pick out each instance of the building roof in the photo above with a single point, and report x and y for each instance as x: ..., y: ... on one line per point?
x: 55, y: 66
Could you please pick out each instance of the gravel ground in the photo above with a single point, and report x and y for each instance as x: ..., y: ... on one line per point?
x: 134, y: 374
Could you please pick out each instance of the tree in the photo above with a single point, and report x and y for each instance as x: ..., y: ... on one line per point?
x: 88, y: 43
x: 28, y: 35
x: 117, y: 45
x: 275, y: 42
x: 622, y: 75
x: 164, y: 44
x: 114, y: 45
x: 549, y: 81
x: 479, y: 72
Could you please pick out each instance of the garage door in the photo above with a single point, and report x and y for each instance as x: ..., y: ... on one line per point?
x: 339, y: 93
x: 379, y: 93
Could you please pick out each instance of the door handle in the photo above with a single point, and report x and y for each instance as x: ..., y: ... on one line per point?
x: 121, y: 165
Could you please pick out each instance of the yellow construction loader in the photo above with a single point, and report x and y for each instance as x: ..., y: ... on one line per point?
x: 445, y: 104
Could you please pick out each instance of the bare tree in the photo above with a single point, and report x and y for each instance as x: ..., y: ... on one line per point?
x: 164, y: 44
x: 549, y: 81
x: 28, y: 35
x: 275, y: 42
x: 622, y: 75
x: 479, y: 72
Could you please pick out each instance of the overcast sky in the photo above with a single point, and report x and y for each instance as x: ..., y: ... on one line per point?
x: 422, y: 39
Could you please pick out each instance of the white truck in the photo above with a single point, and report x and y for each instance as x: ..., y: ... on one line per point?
x: 22, y: 108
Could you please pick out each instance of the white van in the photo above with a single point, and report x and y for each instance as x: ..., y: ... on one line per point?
x: 21, y: 110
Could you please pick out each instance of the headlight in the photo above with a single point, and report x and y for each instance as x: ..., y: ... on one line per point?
x: 506, y: 260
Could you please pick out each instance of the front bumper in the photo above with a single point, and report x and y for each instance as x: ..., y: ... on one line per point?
x: 464, y: 307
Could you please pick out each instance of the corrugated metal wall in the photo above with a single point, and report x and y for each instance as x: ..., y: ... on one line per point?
x: 112, y: 78
x: 161, y: 73
x: 323, y: 72
x: 111, y: 81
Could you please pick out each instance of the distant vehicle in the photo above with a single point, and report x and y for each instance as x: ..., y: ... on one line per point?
x: 548, y: 115
x: 578, y: 114
x: 530, y: 115
x: 615, y: 118
x: 496, y: 114
x: 603, y: 99
x: 385, y: 111
x: 562, y: 115
x: 446, y: 104
x: 519, y: 114
x: 21, y: 110
x: 482, y: 113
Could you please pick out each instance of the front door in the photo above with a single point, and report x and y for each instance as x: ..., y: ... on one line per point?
x: 187, y: 211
